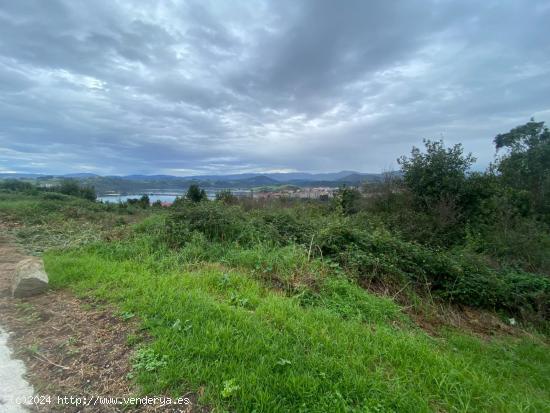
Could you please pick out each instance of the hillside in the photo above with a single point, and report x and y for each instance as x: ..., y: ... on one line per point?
x: 235, y: 310
x: 149, y: 183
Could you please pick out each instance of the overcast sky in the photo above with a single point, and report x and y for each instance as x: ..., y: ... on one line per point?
x: 119, y: 87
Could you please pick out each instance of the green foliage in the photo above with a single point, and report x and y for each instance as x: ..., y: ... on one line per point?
x: 285, y: 226
x: 273, y: 354
x: 264, y: 309
x: 146, y: 359
x: 526, y: 165
x: 226, y: 197
x: 441, y: 191
x: 349, y: 301
x: 216, y: 221
x: 66, y: 187
x: 141, y: 202
x: 458, y: 278
x: 437, y: 175
x: 72, y: 187
x: 230, y: 387
x: 347, y: 200
x: 16, y: 185
x: 195, y: 194
x: 53, y: 220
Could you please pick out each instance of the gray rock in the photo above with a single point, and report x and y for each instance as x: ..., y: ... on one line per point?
x: 30, y: 278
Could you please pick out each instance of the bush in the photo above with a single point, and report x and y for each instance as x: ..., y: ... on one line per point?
x: 227, y: 197
x: 16, y: 185
x: 72, y: 187
x: 287, y: 227
x: 54, y: 196
x: 215, y: 221
x: 461, y: 279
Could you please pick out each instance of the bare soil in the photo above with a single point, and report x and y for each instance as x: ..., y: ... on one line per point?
x: 70, y: 346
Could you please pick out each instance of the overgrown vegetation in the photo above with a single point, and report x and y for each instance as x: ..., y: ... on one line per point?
x: 271, y: 306
x: 65, y: 187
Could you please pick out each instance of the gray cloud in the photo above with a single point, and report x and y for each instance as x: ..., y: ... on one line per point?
x: 191, y: 87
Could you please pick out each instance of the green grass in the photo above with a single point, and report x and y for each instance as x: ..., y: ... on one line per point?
x: 249, y: 311
x: 51, y: 220
x: 331, y: 348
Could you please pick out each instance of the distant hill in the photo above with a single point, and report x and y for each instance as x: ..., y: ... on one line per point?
x: 259, y: 180
x: 357, y: 178
x: 80, y: 175
x: 132, y: 184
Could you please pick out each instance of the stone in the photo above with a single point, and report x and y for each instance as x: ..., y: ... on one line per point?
x: 30, y: 278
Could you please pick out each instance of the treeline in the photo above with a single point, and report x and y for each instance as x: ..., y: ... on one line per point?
x: 66, y: 187
x: 503, y: 212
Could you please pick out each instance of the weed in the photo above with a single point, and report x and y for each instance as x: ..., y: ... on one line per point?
x: 146, y: 359
x: 230, y: 387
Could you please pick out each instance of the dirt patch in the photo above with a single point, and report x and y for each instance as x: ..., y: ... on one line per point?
x: 71, y: 347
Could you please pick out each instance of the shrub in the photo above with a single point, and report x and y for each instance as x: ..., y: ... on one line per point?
x: 457, y: 278
x: 16, y: 185
x: 286, y: 226
x: 73, y: 188
x: 227, y: 197
x: 217, y: 222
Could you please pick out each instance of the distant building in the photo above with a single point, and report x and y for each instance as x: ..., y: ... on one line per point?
x: 322, y: 193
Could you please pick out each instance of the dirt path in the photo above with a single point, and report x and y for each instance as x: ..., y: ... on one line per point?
x: 70, y: 347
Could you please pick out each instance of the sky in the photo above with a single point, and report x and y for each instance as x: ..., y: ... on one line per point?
x: 218, y: 87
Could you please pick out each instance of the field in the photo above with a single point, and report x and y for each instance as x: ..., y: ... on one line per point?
x: 263, y: 310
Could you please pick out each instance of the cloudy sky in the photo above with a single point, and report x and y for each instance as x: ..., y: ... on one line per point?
x: 193, y: 87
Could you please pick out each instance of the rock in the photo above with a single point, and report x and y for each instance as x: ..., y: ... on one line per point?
x: 30, y: 278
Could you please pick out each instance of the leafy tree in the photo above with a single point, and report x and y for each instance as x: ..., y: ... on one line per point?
x: 71, y: 187
x: 442, y: 199
x: 437, y: 175
x: 526, y: 163
x: 144, y: 201
x: 88, y: 192
x: 348, y: 199
x: 196, y: 194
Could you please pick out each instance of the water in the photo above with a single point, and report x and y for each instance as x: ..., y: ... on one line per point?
x: 166, y: 197
x: 152, y: 197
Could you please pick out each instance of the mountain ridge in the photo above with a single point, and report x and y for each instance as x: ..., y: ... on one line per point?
x: 275, y: 177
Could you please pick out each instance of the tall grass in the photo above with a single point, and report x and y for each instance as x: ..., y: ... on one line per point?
x: 252, y: 348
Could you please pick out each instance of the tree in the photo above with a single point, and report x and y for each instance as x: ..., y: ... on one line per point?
x: 437, y: 179
x: 437, y: 175
x: 196, y: 194
x: 144, y: 201
x: 348, y: 199
x: 72, y: 187
x: 69, y: 187
x: 526, y: 163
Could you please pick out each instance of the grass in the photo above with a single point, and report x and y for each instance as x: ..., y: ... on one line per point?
x: 52, y: 220
x: 260, y: 326
x: 252, y: 348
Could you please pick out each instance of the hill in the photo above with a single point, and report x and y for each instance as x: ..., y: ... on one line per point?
x: 150, y: 183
